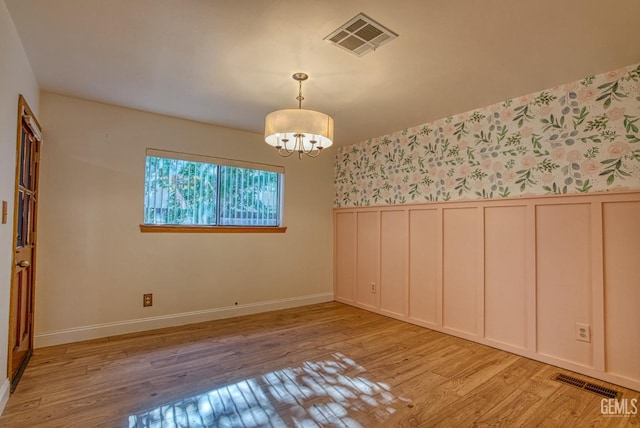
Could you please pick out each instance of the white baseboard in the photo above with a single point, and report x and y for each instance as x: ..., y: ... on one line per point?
x: 96, y: 331
x: 5, y: 391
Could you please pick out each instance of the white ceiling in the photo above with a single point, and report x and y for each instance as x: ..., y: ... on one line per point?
x: 230, y: 62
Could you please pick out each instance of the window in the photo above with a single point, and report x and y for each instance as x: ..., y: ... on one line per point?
x: 192, y: 190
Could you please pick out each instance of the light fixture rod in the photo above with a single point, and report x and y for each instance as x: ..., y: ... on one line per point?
x: 300, y: 77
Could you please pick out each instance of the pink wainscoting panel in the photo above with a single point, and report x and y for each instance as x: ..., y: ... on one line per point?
x: 622, y: 288
x: 345, y: 256
x: 514, y: 274
x: 459, y: 269
x: 368, y: 256
x: 424, y: 265
x: 393, y: 262
x: 506, y: 275
x: 563, y: 280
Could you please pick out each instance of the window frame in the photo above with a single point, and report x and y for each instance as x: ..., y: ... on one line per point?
x: 219, y: 162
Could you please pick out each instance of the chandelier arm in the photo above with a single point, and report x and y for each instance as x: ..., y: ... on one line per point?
x: 288, y: 153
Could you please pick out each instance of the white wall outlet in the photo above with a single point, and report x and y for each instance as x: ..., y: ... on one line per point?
x: 373, y: 287
x: 583, y: 332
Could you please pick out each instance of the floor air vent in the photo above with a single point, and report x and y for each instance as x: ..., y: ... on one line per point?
x: 587, y: 386
x: 360, y: 35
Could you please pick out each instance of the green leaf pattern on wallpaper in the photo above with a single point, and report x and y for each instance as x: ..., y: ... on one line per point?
x: 577, y: 138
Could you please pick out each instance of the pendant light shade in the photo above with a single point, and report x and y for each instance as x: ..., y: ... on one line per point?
x: 298, y: 130
x: 312, y: 125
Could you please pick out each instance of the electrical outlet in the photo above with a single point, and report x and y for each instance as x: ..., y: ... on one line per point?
x: 583, y: 332
x: 147, y: 300
x: 373, y: 287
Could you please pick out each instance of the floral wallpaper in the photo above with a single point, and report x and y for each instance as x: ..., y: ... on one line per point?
x: 577, y: 138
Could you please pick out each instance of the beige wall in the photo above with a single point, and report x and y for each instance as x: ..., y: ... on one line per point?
x: 94, y: 264
x: 16, y: 77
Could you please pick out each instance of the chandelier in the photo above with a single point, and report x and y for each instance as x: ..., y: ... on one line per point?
x: 298, y: 130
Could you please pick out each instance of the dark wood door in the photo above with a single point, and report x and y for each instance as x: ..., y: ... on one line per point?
x: 26, y: 208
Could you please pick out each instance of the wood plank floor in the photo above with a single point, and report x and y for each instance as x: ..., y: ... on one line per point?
x: 320, y: 365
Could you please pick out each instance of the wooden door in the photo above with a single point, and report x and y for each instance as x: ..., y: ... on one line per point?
x: 25, y: 234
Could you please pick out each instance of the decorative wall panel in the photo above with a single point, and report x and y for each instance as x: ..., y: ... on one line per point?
x: 345, y: 256
x: 563, y: 253
x: 505, y: 275
x: 423, y: 266
x: 460, y: 276
x: 516, y: 274
x: 622, y: 288
x: 367, y: 258
x: 393, y: 262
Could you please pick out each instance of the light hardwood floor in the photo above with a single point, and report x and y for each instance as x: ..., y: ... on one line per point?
x: 320, y: 365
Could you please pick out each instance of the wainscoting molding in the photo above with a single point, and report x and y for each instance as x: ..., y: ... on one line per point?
x: 131, y: 326
x: 518, y: 274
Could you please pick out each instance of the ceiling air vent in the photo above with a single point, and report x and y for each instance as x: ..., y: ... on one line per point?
x: 361, y: 35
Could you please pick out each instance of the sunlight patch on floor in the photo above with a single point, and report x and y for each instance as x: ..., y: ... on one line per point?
x: 316, y: 394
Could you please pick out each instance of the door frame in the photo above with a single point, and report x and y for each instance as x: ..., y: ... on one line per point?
x: 23, y: 110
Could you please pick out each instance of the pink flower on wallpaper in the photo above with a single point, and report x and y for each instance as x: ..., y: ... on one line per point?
x: 589, y: 167
x: 525, y: 99
x: 614, y: 75
x: 464, y: 170
x: 618, y: 149
x: 545, y: 110
x: 486, y: 163
x: 448, y: 129
x: 442, y: 174
x: 497, y: 167
x: 509, y: 176
x: 416, y: 177
x: 433, y: 172
x: 478, y: 185
x: 526, y: 132
x: 463, y: 145
x: 558, y: 154
x: 586, y: 94
x: 528, y: 162
x: 379, y: 183
x: 574, y: 156
x: 616, y: 113
x: 404, y: 188
x: 506, y: 114
x: 450, y: 182
x: 547, y: 178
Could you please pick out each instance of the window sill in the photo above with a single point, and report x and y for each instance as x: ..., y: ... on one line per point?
x: 165, y: 228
